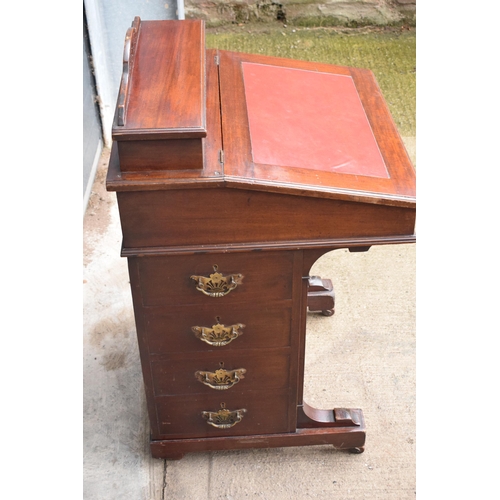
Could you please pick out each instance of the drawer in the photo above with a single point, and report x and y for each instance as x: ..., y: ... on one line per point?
x: 188, y: 373
x: 182, y: 416
x: 168, y: 280
x: 243, y: 326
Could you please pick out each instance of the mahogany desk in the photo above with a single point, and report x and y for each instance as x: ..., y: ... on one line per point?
x: 234, y: 173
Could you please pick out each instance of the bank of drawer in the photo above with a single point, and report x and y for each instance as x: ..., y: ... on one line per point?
x: 167, y: 279
x: 264, y: 325
x: 264, y: 370
x: 182, y: 416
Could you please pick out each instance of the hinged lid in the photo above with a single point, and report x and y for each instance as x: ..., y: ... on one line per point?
x: 274, y: 125
x: 162, y: 92
x: 302, y: 126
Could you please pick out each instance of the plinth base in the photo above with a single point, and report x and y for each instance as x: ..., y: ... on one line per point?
x: 344, y: 429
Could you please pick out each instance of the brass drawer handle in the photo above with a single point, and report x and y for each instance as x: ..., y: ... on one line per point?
x: 221, y: 379
x: 218, y: 335
x: 217, y: 285
x: 223, y: 419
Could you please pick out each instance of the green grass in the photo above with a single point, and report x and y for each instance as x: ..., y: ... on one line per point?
x: 389, y: 53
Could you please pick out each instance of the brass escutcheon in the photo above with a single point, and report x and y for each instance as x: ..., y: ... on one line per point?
x: 217, y: 285
x: 221, y: 379
x: 218, y: 335
x: 223, y: 419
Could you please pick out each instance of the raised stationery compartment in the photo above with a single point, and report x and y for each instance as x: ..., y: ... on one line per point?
x: 160, y: 118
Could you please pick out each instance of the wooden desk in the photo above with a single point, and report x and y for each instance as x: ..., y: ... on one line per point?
x: 234, y: 173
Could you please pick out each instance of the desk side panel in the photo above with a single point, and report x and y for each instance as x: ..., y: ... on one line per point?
x: 176, y: 218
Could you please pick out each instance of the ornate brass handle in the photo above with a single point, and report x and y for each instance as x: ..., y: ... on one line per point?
x: 217, y: 285
x: 218, y: 335
x: 221, y: 379
x: 223, y: 419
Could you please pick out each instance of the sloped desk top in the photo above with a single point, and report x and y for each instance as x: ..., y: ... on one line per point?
x: 313, y: 127
x: 272, y: 124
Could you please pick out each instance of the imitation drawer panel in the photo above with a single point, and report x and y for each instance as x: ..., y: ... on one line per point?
x: 188, y: 373
x: 216, y: 278
x: 218, y: 327
x: 211, y: 415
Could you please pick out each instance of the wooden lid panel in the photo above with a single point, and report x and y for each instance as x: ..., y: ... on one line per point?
x: 165, y: 94
x: 383, y: 173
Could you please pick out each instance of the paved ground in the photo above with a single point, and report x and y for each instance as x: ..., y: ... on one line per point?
x: 363, y: 356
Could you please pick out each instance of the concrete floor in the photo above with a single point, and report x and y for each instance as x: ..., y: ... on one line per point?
x: 363, y: 356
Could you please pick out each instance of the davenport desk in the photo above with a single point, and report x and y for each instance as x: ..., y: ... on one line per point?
x: 234, y: 173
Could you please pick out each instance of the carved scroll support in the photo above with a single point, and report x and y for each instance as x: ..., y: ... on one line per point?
x: 129, y: 50
x: 346, y: 420
x: 320, y: 296
x: 309, y: 417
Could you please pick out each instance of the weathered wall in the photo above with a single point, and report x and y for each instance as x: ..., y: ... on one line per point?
x: 304, y: 12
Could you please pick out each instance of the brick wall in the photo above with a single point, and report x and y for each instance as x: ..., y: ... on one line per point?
x: 304, y: 12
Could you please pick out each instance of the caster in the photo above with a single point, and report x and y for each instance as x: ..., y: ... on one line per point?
x: 357, y: 451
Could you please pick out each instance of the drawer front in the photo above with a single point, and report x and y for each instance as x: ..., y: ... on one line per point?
x: 182, y: 417
x: 187, y: 373
x: 218, y: 326
x: 168, y: 280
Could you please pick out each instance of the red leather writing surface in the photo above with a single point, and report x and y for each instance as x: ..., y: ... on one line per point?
x: 308, y: 119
